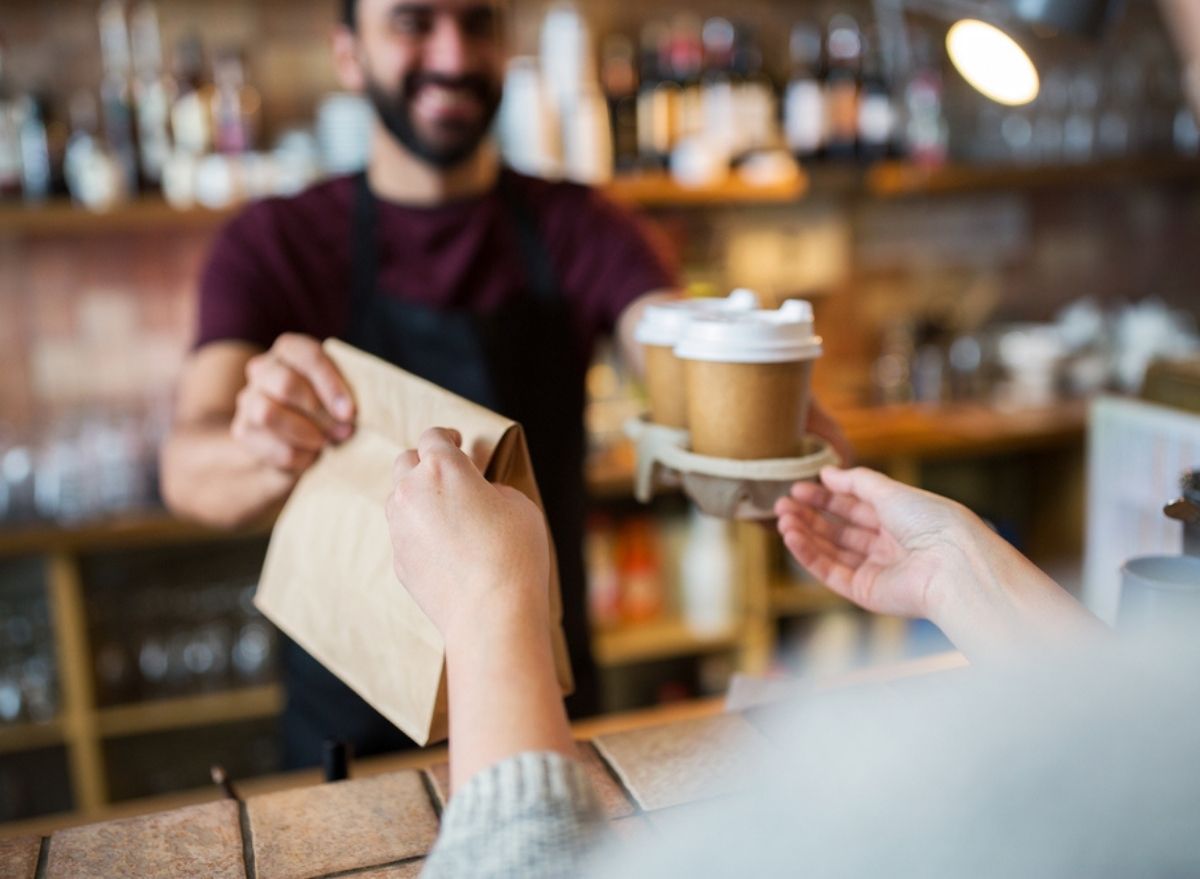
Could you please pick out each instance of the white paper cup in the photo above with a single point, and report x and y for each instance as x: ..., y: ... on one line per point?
x: 659, y: 331
x: 748, y: 377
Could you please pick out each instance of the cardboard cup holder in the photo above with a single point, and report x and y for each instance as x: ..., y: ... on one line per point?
x: 724, y: 487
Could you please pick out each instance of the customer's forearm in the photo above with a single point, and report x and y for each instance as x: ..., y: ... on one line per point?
x: 208, y: 476
x: 504, y: 694
x: 1003, y: 604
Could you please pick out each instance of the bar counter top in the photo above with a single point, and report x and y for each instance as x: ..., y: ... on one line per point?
x: 645, y: 765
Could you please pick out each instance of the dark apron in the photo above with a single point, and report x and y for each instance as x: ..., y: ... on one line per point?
x: 519, y: 360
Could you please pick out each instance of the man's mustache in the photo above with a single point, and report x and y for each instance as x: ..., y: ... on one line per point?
x: 478, y: 86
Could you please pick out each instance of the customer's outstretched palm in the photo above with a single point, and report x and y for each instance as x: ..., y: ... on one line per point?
x: 885, y: 546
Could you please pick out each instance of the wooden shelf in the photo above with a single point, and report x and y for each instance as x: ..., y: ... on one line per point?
x: 660, y: 639
x: 789, y: 598
x: 159, y: 715
x: 146, y: 215
x: 896, y: 179
x: 123, y: 532
x: 882, y: 433
x: 30, y: 736
x: 660, y: 190
x: 653, y: 190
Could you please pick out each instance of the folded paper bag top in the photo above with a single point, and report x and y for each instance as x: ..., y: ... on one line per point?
x: 328, y: 581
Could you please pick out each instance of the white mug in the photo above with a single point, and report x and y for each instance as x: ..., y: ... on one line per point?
x: 1160, y: 591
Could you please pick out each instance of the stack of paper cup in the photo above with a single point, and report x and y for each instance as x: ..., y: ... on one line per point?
x: 660, y: 329
x: 747, y: 379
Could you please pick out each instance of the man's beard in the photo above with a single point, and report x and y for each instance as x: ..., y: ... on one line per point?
x: 395, y: 112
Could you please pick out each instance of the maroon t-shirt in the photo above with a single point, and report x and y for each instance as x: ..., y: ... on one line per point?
x: 284, y: 264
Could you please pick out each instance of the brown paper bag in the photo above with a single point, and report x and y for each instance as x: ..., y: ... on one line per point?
x: 328, y: 581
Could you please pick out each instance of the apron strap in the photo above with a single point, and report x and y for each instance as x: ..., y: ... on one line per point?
x: 537, y: 260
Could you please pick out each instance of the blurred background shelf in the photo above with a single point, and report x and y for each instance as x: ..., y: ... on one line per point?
x: 146, y: 215
x: 894, y: 179
x: 158, y: 715
x: 883, y: 180
x: 30, y: 736
x: 144, y: 529
x: 790, y: 598
x: 659, y: 639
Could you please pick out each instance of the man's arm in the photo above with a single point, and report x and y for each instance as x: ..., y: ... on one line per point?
x: 247, y: 424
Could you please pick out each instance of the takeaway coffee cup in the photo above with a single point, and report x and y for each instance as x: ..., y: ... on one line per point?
x: 1160, y: 591
x: 659, y: 331
x: 747, y: 378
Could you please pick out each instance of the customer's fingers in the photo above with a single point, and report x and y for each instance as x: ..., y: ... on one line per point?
x: 850, y: 508
x: 822, y: 561
x: 439, y: 441
x: 404, y: 464
x: 836, y: 530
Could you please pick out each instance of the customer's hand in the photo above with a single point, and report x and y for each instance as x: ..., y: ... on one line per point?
x: 476, y: 557
x: 894, y: 549
x: 885, y: 546
x: 464, y: 548
x: 295, y: 402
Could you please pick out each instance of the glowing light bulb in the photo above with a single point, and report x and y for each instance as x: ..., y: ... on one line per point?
x: 992, y: 62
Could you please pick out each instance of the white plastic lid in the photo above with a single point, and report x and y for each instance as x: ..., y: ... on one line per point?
x: 752, y: 337
x: 663, y: 323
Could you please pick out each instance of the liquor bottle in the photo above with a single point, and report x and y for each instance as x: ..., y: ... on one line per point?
x: 604, y: 582
x: 235, y: 105
x: 754, y: 97
x: 619, y: 79
x: 717, y: 86
x: 876, y: 115
x: 36, y: 176
x: 843, y: 49
x: 640, y: 565
x: 115, y: 94
x: 925, y: 132
x: 685, y: 58
x: 657, y: 98
x: 804, y: 99
x: 153, y: 93
x: 191, y: 118
x: 10, y: 139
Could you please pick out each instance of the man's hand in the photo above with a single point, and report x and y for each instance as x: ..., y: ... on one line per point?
x: 295, y: 402
x: 822, y: 424
x: 471, y: 553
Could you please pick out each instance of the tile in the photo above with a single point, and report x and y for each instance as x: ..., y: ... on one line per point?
x: 195, y: 841
x: 19, y: 857
x: 679, y: 763
x: 299, y: 834
x: 439, y: 782
x: 410, y: 870
x: 614, y: 801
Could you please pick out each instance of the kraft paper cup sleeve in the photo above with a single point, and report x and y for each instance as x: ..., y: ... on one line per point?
x: 328, y: 581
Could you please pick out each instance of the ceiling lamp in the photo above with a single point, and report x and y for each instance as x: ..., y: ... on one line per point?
x: 992, y: 62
